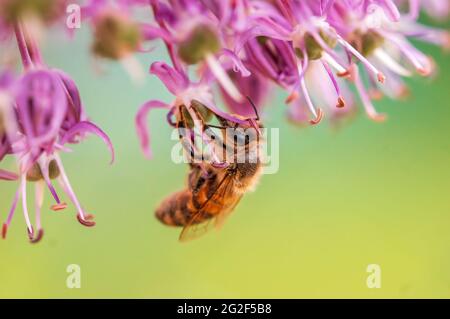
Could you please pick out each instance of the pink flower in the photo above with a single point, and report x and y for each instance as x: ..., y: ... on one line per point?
x: 193, y: 100
x: 42, y: 115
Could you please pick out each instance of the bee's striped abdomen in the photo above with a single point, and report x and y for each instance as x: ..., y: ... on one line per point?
x: 174, y: 210
x: 178, y: 210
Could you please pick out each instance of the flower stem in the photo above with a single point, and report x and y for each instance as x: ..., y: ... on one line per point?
x: 23, y: 47
x: 169, y: 46
x: 29, y: 50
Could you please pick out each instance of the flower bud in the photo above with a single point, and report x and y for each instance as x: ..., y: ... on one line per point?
x: 34, y: 174
x: 201, y: 41
x: 53, y: 170
x: 45, y: 10
x: 115, y: 36
x: 313, y: 48
x: 370, y: 41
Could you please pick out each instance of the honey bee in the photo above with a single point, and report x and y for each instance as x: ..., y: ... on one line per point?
x: 213, y: 192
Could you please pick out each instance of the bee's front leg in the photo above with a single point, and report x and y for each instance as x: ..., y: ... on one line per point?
x: 196, y: 178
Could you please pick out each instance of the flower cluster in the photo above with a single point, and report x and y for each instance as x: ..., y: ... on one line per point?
x: 41, y: 114
x: 328, y: 56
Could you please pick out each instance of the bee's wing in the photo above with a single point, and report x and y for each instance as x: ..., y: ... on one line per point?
x: 221, y: 218
x: 194, y: 228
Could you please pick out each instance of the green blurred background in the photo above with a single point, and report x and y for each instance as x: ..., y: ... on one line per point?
x: 367, y: 194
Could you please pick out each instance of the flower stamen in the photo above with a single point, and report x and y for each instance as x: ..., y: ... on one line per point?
x: 65, y: 184
x: 59, y: 207
x: 86, y: 220
x: 223, y: 78
x: 40, y: 234
x: 367, y: 103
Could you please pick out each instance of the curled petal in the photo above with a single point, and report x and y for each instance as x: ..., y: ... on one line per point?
x: 174, y: 81
x: 256, y: 87
x: 237, y: 63
x: 150, y: 32
x: 142, y: 127
x: 8, y: 176
x: 88, y: 127
x: 75, y: 108
x: 233, y: 118
x: 169, y: 117
x: 390, y: 9
x: 268, y: 27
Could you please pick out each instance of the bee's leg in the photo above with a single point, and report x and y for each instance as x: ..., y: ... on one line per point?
x: 213, y: 137
x: 185, y: 138
x: 197, y: 113
x: 197, y: 179
x: 193, y: 175
x: 200, y: 182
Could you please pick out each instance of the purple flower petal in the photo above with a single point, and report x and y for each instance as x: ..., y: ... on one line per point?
x: 142, y: 127
x: 8, y: 176
x: 238, y: 65
x: 88, y: 127
x: 41, y: 106
x: 172, y: 79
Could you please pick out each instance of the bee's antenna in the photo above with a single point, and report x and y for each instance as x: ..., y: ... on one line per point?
x: 254, y: 107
